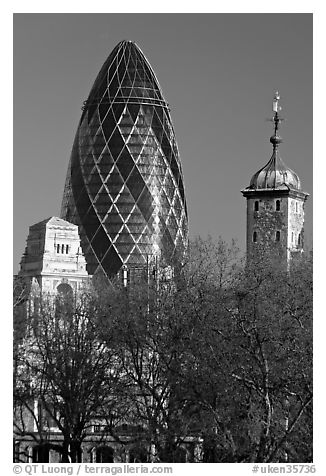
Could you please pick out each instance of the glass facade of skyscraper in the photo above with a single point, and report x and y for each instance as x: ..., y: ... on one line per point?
x: 124, y: 186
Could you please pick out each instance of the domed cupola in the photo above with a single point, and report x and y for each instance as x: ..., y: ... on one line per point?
x: 275, y: 174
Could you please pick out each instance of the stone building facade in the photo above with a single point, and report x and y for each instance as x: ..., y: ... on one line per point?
x: 53, y: 259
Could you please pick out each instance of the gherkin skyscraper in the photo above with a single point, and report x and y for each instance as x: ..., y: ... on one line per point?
x: 124, y: 186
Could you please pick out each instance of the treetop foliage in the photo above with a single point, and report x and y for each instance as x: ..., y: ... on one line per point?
x: 221, y: 353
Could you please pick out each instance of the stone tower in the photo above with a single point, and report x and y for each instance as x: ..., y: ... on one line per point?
x: 275, y: 204
x: 53, y: 261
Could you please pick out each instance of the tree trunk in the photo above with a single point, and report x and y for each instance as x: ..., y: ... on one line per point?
x: 65, y: 451
x: 75, y: 451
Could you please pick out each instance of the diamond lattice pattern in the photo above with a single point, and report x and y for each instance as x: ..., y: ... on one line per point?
x: 124, y: 186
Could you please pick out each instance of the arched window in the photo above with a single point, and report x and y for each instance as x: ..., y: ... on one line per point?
x: 64, y: 288
x: 256, y: 206
x: 64, y: 297
x: 254, y: 237
x: 278, y: 236
x: 278, y: 205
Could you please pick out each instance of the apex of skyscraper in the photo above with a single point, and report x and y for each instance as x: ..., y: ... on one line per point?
x: 125, y: 75
x: 124, y: 186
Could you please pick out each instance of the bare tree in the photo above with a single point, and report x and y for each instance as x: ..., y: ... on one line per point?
x: 64, y: 367
x: 248, y: 371
x: 219, y: 357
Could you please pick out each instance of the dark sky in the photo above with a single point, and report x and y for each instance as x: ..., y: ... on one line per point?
x: 217, y: 71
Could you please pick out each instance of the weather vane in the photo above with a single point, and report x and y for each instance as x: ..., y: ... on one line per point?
x: 276, y: 109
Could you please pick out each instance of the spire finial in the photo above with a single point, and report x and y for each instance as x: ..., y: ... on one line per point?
x: 276, y: 107
x: 276, y: 139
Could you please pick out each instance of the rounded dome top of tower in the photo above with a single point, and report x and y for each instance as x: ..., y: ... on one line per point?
x: 275, y: 174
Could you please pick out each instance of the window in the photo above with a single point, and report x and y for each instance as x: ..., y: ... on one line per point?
x: 292, y: 236
x: 278, y: 205
x: 58, y: 248
x: 62, y: 249
x: 256, y: 206
x: 65, y: 289
x: 67, y: 249
x: 296, y: 207
x: 50, y: 418
x: 299, y: 239
x: 278, y: 236
x: 254, y: 237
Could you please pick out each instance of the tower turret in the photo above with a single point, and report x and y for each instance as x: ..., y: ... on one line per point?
x: 275, y: 203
